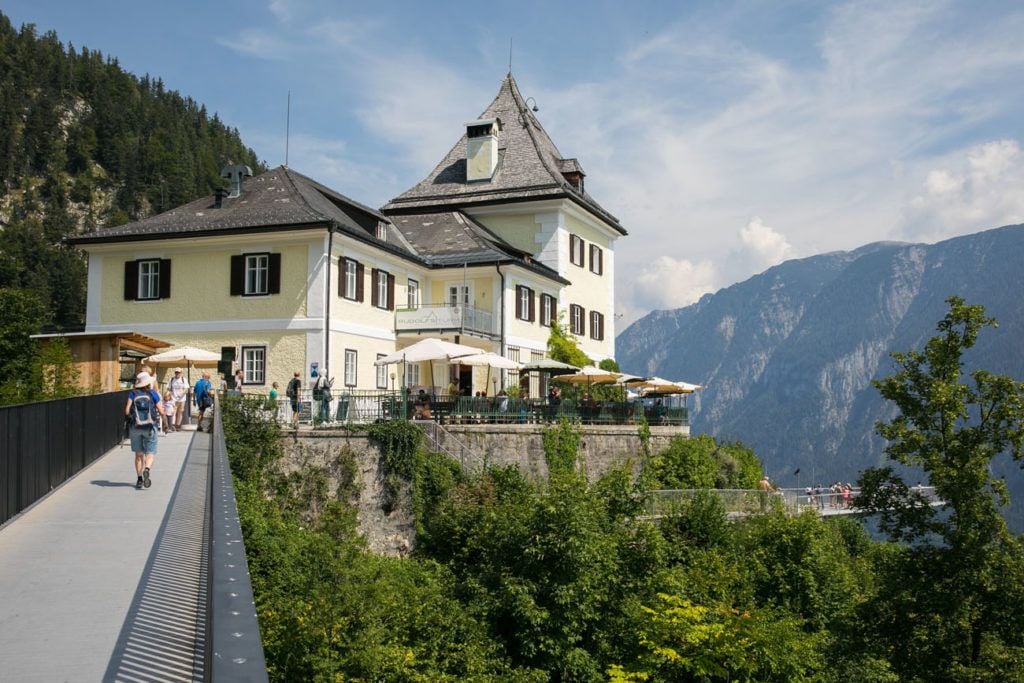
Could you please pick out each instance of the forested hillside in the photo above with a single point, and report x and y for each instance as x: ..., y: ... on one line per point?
x: 85, y: 144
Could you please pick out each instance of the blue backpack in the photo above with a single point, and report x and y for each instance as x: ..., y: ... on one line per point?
x: 143, y: 410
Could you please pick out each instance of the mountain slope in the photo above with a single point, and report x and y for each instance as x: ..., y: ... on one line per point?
x: 788, y: 356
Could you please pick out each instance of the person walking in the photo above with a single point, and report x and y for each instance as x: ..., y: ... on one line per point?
x: 239, y: 380
x: 292, y: 391
x: 144, y: 413
x: 179, y: 392
x: 271, y: 404
x: 203, y: 398
x: 169, y: 407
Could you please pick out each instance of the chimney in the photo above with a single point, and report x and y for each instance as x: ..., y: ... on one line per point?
x: 218, y: 197
x: 572, y: 172
x: 234, y: 173
x: 482, y: 149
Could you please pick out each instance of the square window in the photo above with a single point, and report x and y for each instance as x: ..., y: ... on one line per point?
x: 257, y: 274
x: 350, y: 367
x: 254, y: 364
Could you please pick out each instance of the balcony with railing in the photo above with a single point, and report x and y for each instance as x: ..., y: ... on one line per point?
x: 439, y: 318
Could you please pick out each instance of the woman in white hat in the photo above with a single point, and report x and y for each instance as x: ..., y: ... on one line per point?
x: 179, y: 393
x: 144, y: 413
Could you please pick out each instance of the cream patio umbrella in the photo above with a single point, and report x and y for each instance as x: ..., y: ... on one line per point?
x: 186, y: 355
x: 491, y: 360
x: 657, y: 385
x: 428, y: 350
x: 589, y: 375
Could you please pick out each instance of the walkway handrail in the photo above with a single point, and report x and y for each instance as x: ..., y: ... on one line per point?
x: 234, y: 650
x: 44, y: 444
x: 430, y: 430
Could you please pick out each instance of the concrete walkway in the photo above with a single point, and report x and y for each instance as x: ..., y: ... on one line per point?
x: 101, y: 581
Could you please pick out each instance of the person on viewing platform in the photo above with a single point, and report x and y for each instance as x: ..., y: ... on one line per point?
x: 322, y: 394
x: 143, y: 412
x: 203, y: 398
x: 169, y: 407
x: 422, y: 406
x: 293, y: 390
x: 179, y: 393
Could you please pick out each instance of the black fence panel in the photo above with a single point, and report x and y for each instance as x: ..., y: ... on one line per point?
x: 44, y: 444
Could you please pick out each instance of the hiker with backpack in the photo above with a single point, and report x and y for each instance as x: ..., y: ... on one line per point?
x: 144, y: 414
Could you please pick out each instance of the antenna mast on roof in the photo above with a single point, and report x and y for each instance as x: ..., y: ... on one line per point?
x: 510, y: 54
x: 287, y: 128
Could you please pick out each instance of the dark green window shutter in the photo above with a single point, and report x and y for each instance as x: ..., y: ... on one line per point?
x: 359, y: 281
x: 165, y: 278
x: 274, y: 274
x: 237, y: 275
x: 131, y: 280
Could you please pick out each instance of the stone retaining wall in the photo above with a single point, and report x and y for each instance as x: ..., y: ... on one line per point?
x: 394, y: 533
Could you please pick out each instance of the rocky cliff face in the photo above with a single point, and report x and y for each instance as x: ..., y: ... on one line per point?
x: 788, y: 356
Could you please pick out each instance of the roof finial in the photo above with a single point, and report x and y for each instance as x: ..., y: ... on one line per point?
x: 510, y: 55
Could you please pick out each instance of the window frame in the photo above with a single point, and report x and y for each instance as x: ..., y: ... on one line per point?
x: 599, y: 261
x: 251, y: 376
x: 380, y: 288
x: 412, y: 293
x: 548, y: 309
x: 351, y: 356
x: 382, y: 373
x: 153, y: 278
x: 351, y: 287
x: 576, y: 245
x: 252, y: 271
x: 465, y: 289
x: 412, y: 374
x: 577, y: 320
x: 524, y: 303
x: 596, y: 325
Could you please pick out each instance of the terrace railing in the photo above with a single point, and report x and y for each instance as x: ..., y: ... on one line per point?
x: 364, y: 407
x: 444, y: 318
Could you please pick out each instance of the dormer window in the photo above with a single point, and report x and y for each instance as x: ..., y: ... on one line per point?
x: 572, y: 172
x: 382, y: 231
x: 482, y: 148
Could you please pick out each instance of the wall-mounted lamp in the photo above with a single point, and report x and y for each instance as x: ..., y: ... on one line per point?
x: 534, y: 107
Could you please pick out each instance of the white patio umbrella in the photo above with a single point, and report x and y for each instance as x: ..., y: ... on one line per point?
x: 491, y: 360
x: 429, y: 349
x: 590, y: 374
x: 657, y: 385
x: 187, y: 355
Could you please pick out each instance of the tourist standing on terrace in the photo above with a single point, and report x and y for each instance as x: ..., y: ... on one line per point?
x: 292, y: 392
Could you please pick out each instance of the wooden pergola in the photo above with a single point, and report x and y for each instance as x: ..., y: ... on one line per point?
x: 106, y: 359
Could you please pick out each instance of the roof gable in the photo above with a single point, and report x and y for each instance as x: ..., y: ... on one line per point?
x: 529, y: 166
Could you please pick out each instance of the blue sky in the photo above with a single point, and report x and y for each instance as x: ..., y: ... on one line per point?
x: 726, y: 136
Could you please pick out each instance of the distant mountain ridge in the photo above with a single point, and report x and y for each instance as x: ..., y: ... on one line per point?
x: 788, y: 356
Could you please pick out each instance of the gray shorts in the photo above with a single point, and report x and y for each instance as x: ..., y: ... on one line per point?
x: 143, y: 439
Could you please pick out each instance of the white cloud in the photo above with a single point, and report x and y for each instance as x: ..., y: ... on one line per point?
x: 982, y: 187
x: 762, y: 247
x: 257, y: 42
x: 668, y: 282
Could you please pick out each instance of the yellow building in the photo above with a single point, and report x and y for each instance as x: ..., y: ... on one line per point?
x: 281, y: 274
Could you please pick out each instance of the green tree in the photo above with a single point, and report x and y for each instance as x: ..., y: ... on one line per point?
x: 57, y: 371
x: 562, y: 346
x: 21, y: 314
x: 948, y: 608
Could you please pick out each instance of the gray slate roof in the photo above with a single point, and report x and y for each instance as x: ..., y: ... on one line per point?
x: 451, y: 238
x: 282, y: 199
x: 279, y: 199
x: 529, y: 167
